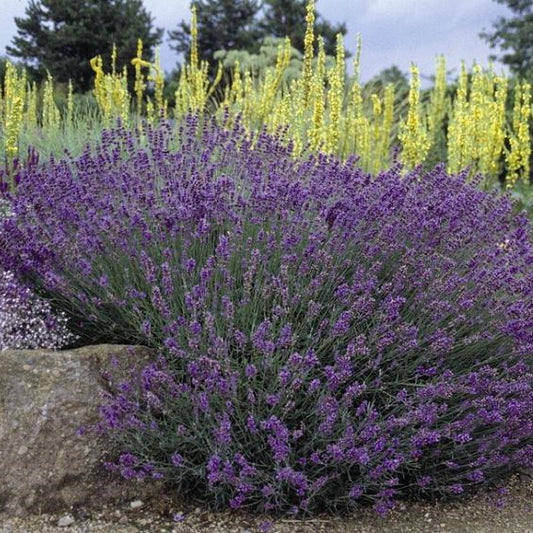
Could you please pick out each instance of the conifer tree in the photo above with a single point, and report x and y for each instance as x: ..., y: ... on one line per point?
x: 222, y: 25
x: 514, y: 36
x: 61, y: 36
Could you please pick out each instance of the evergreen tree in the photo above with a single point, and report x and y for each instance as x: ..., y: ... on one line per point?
x: 222, y: 25
x: 514, y: 36
x: 61, y: 36
x: 283, y: 18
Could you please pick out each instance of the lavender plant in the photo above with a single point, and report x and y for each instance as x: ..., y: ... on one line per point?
x: 325, y: 339
x: 26, y: 321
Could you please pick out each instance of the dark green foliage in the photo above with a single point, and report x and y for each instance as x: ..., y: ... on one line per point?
x: 62, y: 35
x: 514, y: 36
x: 222, y: 24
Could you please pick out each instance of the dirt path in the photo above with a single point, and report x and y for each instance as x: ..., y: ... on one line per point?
x: 476, y: 516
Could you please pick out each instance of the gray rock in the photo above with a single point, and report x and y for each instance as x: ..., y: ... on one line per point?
x: 65, y: 521
x: 45, y: 396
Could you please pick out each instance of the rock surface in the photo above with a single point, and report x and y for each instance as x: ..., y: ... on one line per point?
x: 45, y: 396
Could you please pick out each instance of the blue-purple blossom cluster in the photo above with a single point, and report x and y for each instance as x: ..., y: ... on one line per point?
x: 325, y: 338
x: 27, y: 321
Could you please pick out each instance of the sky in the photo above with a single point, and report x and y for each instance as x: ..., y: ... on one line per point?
x: 393, y: 32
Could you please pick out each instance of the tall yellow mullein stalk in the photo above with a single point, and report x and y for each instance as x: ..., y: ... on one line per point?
x: 70, y: 105
x: 278, y: 118
x: 159, y: 86
x: 99, y: 85
x: 250, y: 96
x: 51, y: 116
x: 375, y: 132
x: 194, y: 89
x: 438, y: 106
x: 197, y: 70
x: 476, y: 130
x: 194, y: 37
x: 518, y: 155
x: 122, y: 95
x: 381, y: 130
x: 309, y: 39
x: 496, y: 145
x: 483, y: 122
x: 458, y: 128
x: 335, y: 98
x: 268, y: 90
x: 236, y: 92
x: 296, y: 117
x: 14, y: 97
x: 316, y: 134
x: 386, y: 127
x: 30, y: 119
x: 357, y: 131
x: 413, y: 133
x: 139, y: 85
x: 111, y: 91
x: 489, y: 132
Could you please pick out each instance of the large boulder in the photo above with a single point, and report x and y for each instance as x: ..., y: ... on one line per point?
x: 45, y: 397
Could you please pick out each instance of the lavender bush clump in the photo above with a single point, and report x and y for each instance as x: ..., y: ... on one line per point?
x: 27, y: 321
x: 325, y: 339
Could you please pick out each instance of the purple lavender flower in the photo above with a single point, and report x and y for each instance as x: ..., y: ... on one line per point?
x: 311, y: 322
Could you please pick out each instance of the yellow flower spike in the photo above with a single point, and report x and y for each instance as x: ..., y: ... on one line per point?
x: 194, y: 37
x: 139, y: 84
x: 316, y: 139
x: 477, y: 105
x: 13, y: 126
x: 489, y: 110
x: 192, y: 92
x: 50, y: 115
x: 309, y: 53
x: 520, y: 142
x: 70, y: 105
x: 357, y: 129
x: 124, y: 99
x: 150, y: 113
x: 438, y: 104
x: 236, y: 91
x: 99, y: 82
x: 247, y: 100
x: 497, y: 126
x: 180, y: 96
x: 14, y: 98
x: 159, y: 84
x: 31, y: 107
x: 114, y: 61
x: 458, y: 128
x: 413, y: 134
x: 335, y: 98
x: 385, y: 109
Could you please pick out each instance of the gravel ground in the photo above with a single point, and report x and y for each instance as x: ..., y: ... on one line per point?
x: 479, y: 515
